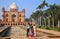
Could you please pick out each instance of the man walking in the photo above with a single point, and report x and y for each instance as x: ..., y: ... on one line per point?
x: 28, y: 28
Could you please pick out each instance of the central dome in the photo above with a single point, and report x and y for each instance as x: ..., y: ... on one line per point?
x: 13, y: 6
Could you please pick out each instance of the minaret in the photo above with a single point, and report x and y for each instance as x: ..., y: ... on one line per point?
x: 3, y: 14
x: 23, y: 15
x: 23, y: 10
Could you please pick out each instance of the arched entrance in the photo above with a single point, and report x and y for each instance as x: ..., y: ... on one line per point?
x: 13, y: 17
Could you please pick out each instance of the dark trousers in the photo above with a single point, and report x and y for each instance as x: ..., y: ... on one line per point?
x: 27, y: 32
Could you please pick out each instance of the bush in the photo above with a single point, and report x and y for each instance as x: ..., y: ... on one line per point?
x: 59, y: 29
x: 55, y: 29
x: 39, y: 26
x: 47, y: 28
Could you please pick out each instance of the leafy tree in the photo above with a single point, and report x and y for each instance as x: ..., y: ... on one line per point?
x: 53, y: 9
x: 42, y: 5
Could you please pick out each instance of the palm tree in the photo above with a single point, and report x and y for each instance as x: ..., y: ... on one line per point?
x: 40, y: 16
x: 53, y: 9
x: 48, y: 12
x: 58, y: 16
x: 45, y: 17
x: 41, y: 7
x: 36, y: 15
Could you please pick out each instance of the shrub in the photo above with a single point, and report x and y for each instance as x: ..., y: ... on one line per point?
x: 59, y: 29
x: 39, y: 26
x: 47, y: 28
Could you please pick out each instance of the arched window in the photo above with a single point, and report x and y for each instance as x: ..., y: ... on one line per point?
x: 13, y: 15
x: 6, y: 19
x: 6, y: 15
x: 13, y: 20
x: 8, y: 24
x: 20, y: 15
x: 20, y: 20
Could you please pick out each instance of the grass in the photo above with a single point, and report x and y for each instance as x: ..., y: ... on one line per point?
x: 49, y: 28
x: 57, y: 29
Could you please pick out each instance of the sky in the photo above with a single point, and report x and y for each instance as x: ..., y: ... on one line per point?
x: 29, y: 5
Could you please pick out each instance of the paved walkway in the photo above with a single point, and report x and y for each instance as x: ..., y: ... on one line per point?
x: 16, y: 31
x: 19, y: 32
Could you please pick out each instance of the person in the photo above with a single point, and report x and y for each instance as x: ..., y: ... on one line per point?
x: 34, y: 27
x: 28, y: 28
x: 31, y: 32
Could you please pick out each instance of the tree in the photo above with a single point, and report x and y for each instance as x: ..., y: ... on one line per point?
x: 42, y: 5
x: 53, y: 8
x: 58, y: 16
x: 36, y: 15
x: 28, y: 19
x: 45, y: 17
x: 47, y: 14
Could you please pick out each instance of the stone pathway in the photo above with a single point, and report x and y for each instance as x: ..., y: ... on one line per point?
x: 16, y: 31
x: 19, y: 32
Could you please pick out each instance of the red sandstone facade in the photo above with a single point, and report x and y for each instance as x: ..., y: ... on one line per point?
x: 13, y: 16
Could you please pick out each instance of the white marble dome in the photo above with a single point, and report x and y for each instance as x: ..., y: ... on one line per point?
x: 13, y: 6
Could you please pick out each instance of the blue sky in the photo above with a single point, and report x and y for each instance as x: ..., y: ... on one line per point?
x: 29, y: 5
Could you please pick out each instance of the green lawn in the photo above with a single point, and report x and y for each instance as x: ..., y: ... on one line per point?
x: 49, y: 28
